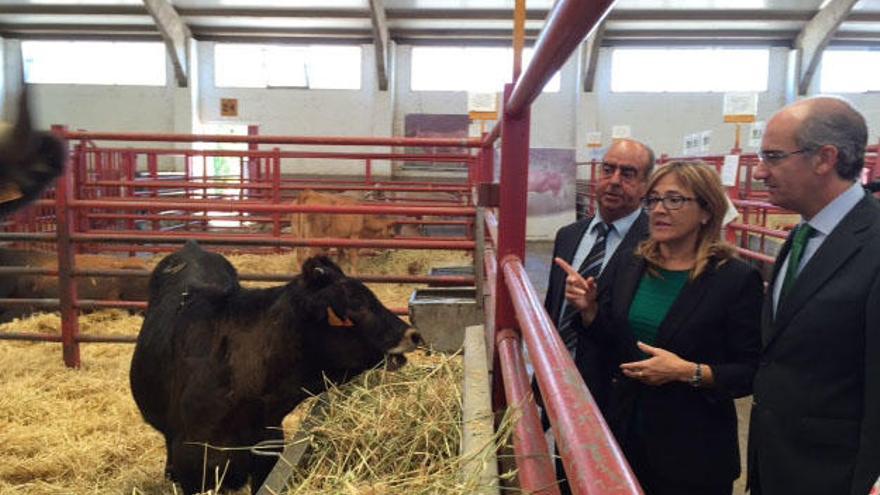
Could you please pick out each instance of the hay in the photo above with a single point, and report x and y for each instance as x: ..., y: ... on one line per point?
x: 79, y: 432
x: 74, y: 431
x: 393, y: 433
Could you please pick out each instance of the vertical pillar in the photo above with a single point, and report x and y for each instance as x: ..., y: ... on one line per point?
x: 512, y: 210
x: 66, y: 264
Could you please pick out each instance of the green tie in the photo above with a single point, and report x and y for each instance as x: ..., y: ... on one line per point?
x: 803, y: 234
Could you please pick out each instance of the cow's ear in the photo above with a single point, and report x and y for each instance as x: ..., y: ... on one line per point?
x: 319, y: 271
x: 336, y: 320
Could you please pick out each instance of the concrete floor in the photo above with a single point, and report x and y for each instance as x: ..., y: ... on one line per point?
x: 537, y: 262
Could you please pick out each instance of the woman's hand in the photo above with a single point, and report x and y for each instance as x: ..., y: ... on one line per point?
x: 581, y: 293
x: 662, y: 367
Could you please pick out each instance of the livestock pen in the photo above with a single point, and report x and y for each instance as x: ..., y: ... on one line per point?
x: 64, y: 426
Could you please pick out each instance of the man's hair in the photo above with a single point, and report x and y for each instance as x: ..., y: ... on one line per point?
x: 649, y: 163
x: 840, y: 125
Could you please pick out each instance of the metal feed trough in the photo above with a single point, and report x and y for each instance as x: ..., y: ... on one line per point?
x: 442, y: 313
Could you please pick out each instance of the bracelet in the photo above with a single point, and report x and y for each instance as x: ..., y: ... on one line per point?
x: 697, y: 379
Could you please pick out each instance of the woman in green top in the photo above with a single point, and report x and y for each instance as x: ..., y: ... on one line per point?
x: 682, y: 323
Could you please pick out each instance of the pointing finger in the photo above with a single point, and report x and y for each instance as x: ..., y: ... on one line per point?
x: 561, y: 263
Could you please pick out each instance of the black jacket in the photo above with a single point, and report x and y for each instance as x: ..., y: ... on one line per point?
x: 592, y: 364
x: 714, y: 321
x: 815, y: 424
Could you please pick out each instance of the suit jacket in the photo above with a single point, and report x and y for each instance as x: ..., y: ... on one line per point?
x: 714, y: 321
x: 815, y: 425
x: 592, y: 364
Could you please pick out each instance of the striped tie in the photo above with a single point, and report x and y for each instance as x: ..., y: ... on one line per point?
x: 591, y: 267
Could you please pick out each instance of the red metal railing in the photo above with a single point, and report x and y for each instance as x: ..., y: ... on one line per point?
x: 592, y: 459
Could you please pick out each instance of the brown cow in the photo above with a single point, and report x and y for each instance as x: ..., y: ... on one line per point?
x: 346, y: 225
x: 46, y: 286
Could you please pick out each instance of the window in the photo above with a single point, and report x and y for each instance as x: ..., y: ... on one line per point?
x: 476, y: 69
x: 279, y: 66
x: 656, y: 70
x: 850, y: 71
x: 94, y: 62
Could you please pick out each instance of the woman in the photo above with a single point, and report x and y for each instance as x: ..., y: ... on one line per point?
x: 683, y: 321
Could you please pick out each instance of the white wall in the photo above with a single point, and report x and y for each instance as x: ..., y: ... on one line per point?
x: 95, y: 108
x: 553, y: 114
x: 303, y: 112
x: 559, y: 120
x: 663, y: 119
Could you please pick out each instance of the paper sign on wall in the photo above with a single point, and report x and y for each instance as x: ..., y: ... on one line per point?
x: 705, y: 141
x: 740, y: 107
x: 482, y: 102
x: 757, y: 134
x: 729, y: 169
x: 621, y: 132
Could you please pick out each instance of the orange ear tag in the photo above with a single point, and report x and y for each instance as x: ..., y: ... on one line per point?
x: 335, y: 321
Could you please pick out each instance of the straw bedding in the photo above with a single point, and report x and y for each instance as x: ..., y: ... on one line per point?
x: 78, y: 431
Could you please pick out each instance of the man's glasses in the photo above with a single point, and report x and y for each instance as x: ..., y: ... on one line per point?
x: 773, y: 156
x: 628, y: 173
x: 669, y: 202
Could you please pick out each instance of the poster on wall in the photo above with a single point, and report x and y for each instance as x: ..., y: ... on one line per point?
x: 551, y: 190
x: 429, y: 125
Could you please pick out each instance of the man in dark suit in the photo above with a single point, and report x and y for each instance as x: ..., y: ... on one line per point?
x: 815, y: 425
x: 597, y: 244
x: 622, y: 180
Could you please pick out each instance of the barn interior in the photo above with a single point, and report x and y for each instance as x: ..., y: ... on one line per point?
x: 210, y: 119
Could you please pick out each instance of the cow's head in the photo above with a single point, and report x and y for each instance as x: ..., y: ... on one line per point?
x: 354, y: 328
x: 29, y: 159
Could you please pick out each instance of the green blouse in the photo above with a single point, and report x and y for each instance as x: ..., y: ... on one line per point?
x: 652, y: 302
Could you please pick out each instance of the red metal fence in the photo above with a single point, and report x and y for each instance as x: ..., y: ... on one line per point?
x: 114, y: 197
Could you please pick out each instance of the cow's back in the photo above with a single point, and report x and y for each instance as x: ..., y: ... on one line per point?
x: 156, y: 359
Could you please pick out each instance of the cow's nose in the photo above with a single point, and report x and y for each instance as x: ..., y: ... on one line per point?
x: 411, y: 338
x: 414, y: 336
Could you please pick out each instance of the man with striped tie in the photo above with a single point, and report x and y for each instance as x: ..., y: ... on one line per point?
x: 595, y: 244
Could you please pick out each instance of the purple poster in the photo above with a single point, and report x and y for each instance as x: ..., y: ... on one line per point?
x: 428, y: 125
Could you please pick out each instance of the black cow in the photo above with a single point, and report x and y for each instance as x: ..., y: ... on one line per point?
x: 222, y: 365
x: 29, y: 160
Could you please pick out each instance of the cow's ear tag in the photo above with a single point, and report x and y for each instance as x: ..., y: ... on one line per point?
x: 336, y: 321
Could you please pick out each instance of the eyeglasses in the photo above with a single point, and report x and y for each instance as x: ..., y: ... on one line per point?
x: 669, y: 202
x: 628, y: 173
x: 773, y: 156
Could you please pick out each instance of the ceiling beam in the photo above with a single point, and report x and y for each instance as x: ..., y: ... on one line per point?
x: 176, y: 35
x: 814, y: 37
x: 591, y: 57
x: 381, y: 42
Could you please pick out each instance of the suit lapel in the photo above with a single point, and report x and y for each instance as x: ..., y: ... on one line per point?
x: 637, y: 232
x: 690, y: 297
x: 623, y: 293
x: 843, y: 242
x: 567, y: 247
x: 567, y: 252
